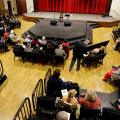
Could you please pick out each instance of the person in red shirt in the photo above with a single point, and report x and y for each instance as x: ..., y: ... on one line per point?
x: 35, y: 43
x: 65, y: 45
x: 90, y: 100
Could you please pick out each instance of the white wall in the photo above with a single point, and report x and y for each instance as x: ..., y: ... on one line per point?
x: 30, y: 6
x: 5, y: 4
x: 115, y: 9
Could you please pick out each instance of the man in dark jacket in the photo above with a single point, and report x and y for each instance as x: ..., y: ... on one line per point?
x: 55, y: 84
x: 78, y: 51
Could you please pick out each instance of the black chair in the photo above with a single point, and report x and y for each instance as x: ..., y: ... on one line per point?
x: 98, y: 59
x: 97, y: 45
x: 27, y: 55
x: 18, y: 53
x: 110, y: 114
x: 37, y: 92
x: 58, y: 61
x: 89, y: 114
x: 46, y: 107
x: 47, y: 76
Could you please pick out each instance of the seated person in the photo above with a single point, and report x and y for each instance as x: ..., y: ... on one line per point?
x: 35, y: 43
x: 95, y: 52
x: 112, y: 75
x: 18, y: 46
x: 28, y: 39
x: 117, y: 44
x: 28, y: 48
x: 90, y: 100
x: 6, y: 37
x: 70, y: 98
x: 13, y: 36
x: 49, y: 49
x: 2, y: 30
x: 62, y: 115
x: 60, y: 52
x: 43, y: 41
x: 3, y: 45
x: 59, y: 84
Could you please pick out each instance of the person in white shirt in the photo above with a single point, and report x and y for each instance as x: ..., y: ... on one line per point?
x: 13, y: 36
x: 27, y: 39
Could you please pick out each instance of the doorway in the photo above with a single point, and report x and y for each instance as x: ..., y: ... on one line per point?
x: 9, y: 7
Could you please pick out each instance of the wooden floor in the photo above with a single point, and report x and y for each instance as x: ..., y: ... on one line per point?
x: 22, y: 78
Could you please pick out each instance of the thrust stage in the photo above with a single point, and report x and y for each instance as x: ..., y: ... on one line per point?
x: 79, y: 30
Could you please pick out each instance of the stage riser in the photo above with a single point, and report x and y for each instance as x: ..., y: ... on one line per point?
x: 101, y: 23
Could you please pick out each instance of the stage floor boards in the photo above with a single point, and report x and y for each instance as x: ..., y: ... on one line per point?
x: 22, y: 78
x: 59, y: 31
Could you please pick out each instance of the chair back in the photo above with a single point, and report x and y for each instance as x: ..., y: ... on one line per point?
x: 59, y: 60
x: 97, y: 45
x: 88, y: 113
x: 37, y: 92
x: 110, y: 114
x: 101, y: 56
x: 24, y: 111
x: 18, y: 53
x: 46, y: 105
x: 47, y: 76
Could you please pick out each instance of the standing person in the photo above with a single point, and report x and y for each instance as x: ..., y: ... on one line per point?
x: 78, y: 51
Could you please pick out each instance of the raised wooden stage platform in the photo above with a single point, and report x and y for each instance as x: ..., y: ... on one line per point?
x: 104, y: 21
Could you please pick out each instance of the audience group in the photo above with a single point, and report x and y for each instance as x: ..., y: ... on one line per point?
x: 47, y: 48
x: 7, y: 35
x: 73, y: 99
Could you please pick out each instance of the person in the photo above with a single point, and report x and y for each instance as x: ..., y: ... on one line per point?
x: 59, y: 84
x: 3, y: 45
x: 27, y: 39
x: 63, y: 115
x: 117, y: 44
x: 112, y: 75
x: 66, y: 45
x: 28, y: 48
x: 70, y: 99
x: 90, y: 100
x: 18, y: 46
x: 43, y: 41
x: 60, y: 52
x: 78, y: 51
x: 6, y: 37
x: 13, y: 36
x: 93, y: 53
x: 35, y: 43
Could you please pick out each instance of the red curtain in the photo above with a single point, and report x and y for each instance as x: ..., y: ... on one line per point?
x: 77, y: 6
